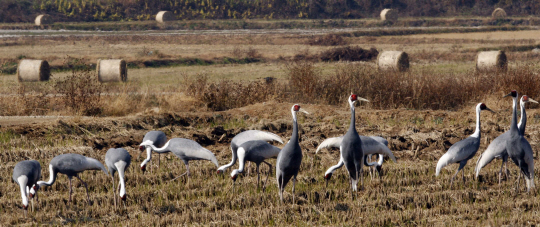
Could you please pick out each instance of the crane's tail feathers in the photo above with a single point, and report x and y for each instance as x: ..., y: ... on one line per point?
x: 330, y: 142
x: 386, y: 151
x: 256, y: 135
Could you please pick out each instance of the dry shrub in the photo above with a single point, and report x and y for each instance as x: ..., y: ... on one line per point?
x: 327, y: 40
x: 304, y: 79
x: 227, y: 94
x: 80, y: 92
x: 32, y: 99
x: 349, y: 53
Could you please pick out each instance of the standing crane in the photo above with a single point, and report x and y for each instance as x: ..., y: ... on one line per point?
x: 26, y: 174
x: 290, y: 157
x: 255, y: 151
x: 463, y: 150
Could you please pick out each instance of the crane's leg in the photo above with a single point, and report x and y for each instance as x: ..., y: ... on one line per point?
x: 258, y: 176
x: 31, y: 201
x: 159, y: 160
x: 86, y: 186
x: 500, y: 172
x: 248, y: 167
x: 461, y: 165
x: 70, y: 190
x: 118, y: 190
x: 186, y: 173
x: 280, y: 186
x: 293, y: 184
x: 463, y: 176
x: 114, y: 192
x: 269, y: 169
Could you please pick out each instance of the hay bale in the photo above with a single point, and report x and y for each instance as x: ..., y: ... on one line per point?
x: 164, y: 16
x: 111, y: 70
x: 389, y: 14
x: 498, y: 13
x: 393, y: 60
x: 33, y: 70
x: 491, y: 61
x: 43, y: 19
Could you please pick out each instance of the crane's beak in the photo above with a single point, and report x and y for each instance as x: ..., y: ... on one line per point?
x: 303, y: 111
x: 532, y: 100
x: 124, y: 198
x: 362, y: 99
x: 488, y: 109
x: 143, y: 168
x: 509, y: 94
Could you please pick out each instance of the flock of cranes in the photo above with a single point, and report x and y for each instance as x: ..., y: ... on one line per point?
x: 253, y: 146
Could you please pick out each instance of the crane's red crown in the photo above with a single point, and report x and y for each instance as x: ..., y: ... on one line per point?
x: 354, y: 97
x: 296, y: 107
x: 525, y: 98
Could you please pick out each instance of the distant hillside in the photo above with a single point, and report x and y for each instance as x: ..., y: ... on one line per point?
x: 129, y: 10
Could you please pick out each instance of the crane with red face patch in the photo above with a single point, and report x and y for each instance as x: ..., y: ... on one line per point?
x: 463, y: 150
x: 290, y: 157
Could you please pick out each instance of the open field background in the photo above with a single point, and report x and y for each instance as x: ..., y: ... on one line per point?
x: 194, y: 86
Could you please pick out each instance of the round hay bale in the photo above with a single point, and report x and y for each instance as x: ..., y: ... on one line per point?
x: 491, y: 61
x: 43, y: 19
x: 389, y: 14
x: 164, y: 16
x: 111, y: 70
x: 33, y: 70
x: 393, y: 60
x: 498, y: 13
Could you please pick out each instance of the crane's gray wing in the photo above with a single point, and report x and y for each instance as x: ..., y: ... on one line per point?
x: 191, y: 150
x: 497, y: 148
x: 460, y: 151
x: 529, y: 160
x: 372, y: 146
x: 115, y: 155
x: 378, y: 139
x: 330, y: 142
x: 258, y: 149
x: 255, y: 135
x: 158, y: 138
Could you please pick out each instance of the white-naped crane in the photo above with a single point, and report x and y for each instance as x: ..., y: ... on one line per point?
x: 245, y: 136
x: 497, y: 147
x: 26, y: 174
x: 463, y: 150
x: 256, y: 151
x: 370, y: 145
x: 156, y: 138
x: 185, y: 149
x: 70, y: 165
x: 118, y: 160
x: 290, y: 157
x: 519, y: 149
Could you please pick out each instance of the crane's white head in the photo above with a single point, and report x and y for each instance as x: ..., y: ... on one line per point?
x: 526, y: 99
x: 33, y: 190
x: 513, y: 94
x: 482, y: 106
x: 295, y: 109
x: 353, y: 98
x: 234, y: 174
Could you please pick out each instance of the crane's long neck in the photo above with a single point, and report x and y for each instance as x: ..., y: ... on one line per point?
x: 513, y: 124
x: 294, y: 136
x: 353, y: 118
x: 476, y: 133
x: 164, y: 149
x: 148, y: 156
x: 523, y: 120
x: 121, y: 166
x: 241, y: 159
x: 234, y: 158
x: 52, y: 177
x: 337, y: 166
x: 23, y: 181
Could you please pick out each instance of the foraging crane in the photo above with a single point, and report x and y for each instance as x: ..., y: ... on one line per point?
x: 463, y: 150
x: 519, y: 149
x: 246, y: 136
x: 290, y: 157
x: 497, y: 148
x: 158, y: 139
x: 26, y: 174
x: 118, y: 159
x: 70, y: 165
x: 370, y: 145
x: 184, y: 149
x: 255, y: 151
